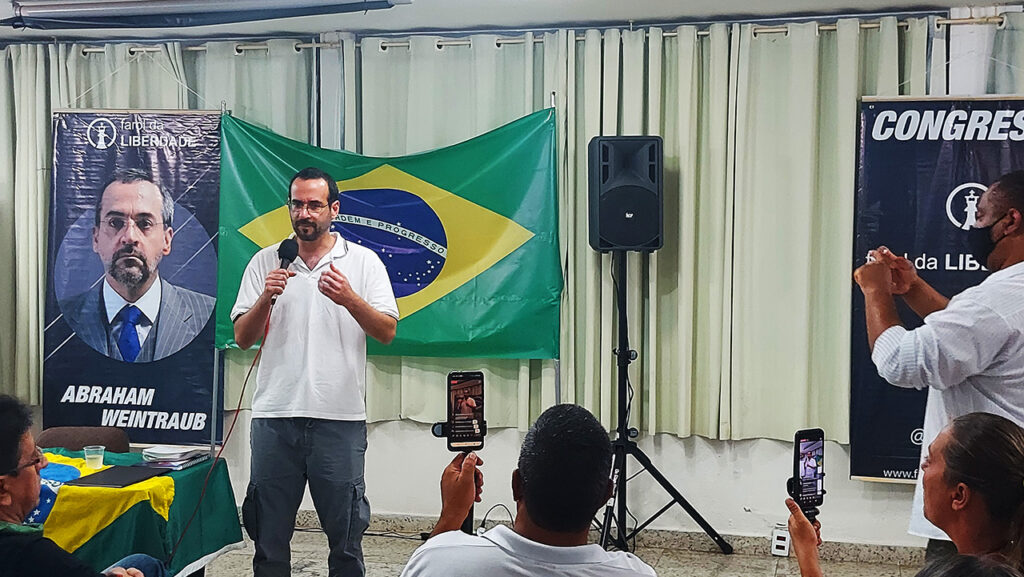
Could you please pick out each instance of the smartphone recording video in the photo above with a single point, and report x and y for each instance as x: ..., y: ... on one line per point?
x: 809, y: 467
x: 465, y: 411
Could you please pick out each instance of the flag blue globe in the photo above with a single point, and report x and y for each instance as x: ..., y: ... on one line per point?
x: 409, y: 239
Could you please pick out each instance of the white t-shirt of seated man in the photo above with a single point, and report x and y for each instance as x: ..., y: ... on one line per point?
x: 501, y: 552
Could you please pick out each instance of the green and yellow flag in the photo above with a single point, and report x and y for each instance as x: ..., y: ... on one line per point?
x: 468, y: 233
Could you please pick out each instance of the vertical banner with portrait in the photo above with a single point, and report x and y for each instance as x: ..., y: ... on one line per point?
x: 132, y: 274
x: 923, y: 167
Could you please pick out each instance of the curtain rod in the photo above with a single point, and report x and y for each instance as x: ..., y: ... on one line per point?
x: 239, y: 48
x: 998, y: 20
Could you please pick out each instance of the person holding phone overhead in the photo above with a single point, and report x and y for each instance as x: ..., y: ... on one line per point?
x: 309, y: 415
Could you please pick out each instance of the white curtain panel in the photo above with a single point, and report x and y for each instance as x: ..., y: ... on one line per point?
x: 423, y: 96
x: 25, y: 191
x: 8, y: 237
x: 119, y: 77
x: 271, y: 87
x: 17, y: 377
x: 428, y: 95
x: 36, y: 80
x: 795, y: 141
x: 741, y: 320
x: 971, y: 49
x: 1006, y: 67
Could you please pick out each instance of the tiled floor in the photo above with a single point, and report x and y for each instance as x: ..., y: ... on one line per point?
x: 385, y: 557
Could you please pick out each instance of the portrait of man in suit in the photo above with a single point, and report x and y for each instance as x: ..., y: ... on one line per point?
x: 134, y: 315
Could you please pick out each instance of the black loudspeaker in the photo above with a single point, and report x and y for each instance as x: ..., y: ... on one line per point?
x: 625, y: 193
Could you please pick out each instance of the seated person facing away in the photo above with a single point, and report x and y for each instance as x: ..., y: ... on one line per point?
x: 24, y: 551
x: 973, y: 481
x: 561, y: 482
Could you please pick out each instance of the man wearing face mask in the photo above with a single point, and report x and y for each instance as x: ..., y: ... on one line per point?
x: 969, y: 353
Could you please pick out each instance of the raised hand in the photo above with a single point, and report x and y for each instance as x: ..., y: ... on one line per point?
x: 336, y: 287
x: 904, y: 275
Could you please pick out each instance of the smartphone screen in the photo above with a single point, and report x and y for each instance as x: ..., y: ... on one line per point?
x: 465, y: 411
x: 809, y: 467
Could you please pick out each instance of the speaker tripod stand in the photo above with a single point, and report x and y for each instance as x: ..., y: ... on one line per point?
x: 616, y: 512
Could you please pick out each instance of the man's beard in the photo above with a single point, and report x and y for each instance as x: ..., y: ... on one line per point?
x: 130, y: 276
x: 313, y: 231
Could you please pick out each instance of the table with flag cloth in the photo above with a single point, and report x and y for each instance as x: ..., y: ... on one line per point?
x: 101, y: 525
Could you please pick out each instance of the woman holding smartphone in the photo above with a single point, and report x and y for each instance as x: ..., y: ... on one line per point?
x: 973, y: 480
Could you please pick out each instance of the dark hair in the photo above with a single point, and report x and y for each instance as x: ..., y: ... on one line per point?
x: 130, y: 175
x: 1008, y: 191
x: 564, y: 467
x: 15, y: 420
x: 986, y: 453
x: 313, y: 173
x: 969, y: 566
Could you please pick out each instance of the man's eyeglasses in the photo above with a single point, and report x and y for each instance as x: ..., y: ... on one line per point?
x: 313, y: 206
x: 115, y: 224
x: 36, y: 459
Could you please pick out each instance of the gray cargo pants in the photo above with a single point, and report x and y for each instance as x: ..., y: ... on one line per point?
x: 288, y: 452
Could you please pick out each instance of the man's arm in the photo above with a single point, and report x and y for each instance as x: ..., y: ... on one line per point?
x: 336, y: 287
x: 924, y: 299
x: 461, y: 485
x: 953, y: 345
x: 378, y: 325
x: 874, y: 279
x: 249, y: 326
x: 806, y: 538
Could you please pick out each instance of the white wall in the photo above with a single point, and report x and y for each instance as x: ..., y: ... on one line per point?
x: 738, y: 486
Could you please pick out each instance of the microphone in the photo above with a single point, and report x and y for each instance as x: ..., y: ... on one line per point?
x: 287, y: 252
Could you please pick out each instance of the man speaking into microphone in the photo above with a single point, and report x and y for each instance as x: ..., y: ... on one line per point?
x: 308, y: 409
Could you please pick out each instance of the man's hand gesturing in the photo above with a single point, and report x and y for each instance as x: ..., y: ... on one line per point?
x: 336, y: 287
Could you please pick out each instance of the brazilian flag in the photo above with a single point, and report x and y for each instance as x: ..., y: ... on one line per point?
x: 468, y: 233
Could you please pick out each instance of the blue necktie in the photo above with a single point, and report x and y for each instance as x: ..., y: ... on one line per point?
x: 128, y: 340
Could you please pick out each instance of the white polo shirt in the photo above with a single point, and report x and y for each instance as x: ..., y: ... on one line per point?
x: 314, y: 360
x: 501, y: 552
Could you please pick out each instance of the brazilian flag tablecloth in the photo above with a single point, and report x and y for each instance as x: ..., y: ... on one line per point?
x: 101, y: 525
